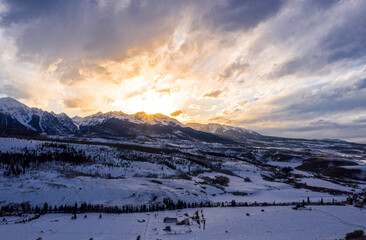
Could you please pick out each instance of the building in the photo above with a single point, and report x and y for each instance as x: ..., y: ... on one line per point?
x: 170, y: 220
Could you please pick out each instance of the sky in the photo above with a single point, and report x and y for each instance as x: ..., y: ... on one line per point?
x: 282, y: 68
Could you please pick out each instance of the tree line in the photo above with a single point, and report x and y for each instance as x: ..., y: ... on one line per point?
x: 84, y: 207
x: 18, y: 163
x: 167, y: 204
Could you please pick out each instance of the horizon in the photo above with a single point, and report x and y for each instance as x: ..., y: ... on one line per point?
x: 281, y: 68
x: 119, y: 112
x: 184, y: 123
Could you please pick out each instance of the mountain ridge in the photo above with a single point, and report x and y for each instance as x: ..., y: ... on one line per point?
x: 34, y: 119
x: 15, y: 114
x: 18, y: 119
x: 234, y: 133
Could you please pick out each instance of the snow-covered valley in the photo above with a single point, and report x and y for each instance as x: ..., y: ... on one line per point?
x: 114, y: 175
x: 243, y: 184
x: 319, y: 222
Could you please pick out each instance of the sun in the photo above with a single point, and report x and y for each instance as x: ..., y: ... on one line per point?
x: 149, y: 102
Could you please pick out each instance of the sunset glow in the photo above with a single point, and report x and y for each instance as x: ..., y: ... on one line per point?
x: 287, y: 70
x: 149, y: 102
x: 182, y: 119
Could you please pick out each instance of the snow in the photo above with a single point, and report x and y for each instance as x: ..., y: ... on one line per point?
x: 113, y: 179
x: 17, y: 145
x: 216, y: 128
x: 325, y: 184
x: 24, y: 115
x: 19, y: 111
x: 146, y: 170
x: 321, y: 222
x: 138, y: 118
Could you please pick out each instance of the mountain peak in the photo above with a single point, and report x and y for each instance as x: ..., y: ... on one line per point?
x: 139, y: 117
x: 8, y: 99
x: 35, y: 119
x: 118, y: 112
x: 141, y: 114
x: 9, y: 102
x: 230, y: 132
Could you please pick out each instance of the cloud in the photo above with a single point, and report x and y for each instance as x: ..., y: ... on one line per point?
x: 194, y: 106
x: 327, y: 40
x: 85, y: 104
x: 87, y: 29
x: 243, y: 102
x: 345, y: 96
x: 82, y: 103
x: 234, y: 69
x: 163, y: 91
x: 236, y: 15
x: 279, y: 67
x: 360, y: 119
x: 73, y: 102
x: 213, y: 94
x: 15, y: 91
x: 351, y: 131
x: 362, y: 84
x: 221, y: 120
x: 176, y: 113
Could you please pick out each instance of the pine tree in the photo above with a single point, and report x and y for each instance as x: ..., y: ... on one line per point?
x: 45, y: 207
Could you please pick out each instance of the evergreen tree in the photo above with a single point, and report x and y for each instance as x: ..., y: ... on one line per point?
x: 45, y: 207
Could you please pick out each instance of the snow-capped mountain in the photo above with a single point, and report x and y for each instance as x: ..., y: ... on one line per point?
x: 138, y: 118
x: 66, y: 121
x: 233, y: 133
x: 17, y: 114
x: 119, y: 124
x: 19, y: 117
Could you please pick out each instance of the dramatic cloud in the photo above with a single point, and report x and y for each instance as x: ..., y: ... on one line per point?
x: 195, y: 106
x: 87, y: 29
x: 213, y: 94
x: 289, y: 68
x: 176, y: 113
x: 236, y: 15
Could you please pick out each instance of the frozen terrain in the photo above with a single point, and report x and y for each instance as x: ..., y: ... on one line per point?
x: 131, y: 174
x: 114, y: 162
x: 320, y: 222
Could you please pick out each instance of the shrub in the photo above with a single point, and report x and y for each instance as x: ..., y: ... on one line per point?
x: 355, y: 234
x: 221, y: 180
x: 247, y: 179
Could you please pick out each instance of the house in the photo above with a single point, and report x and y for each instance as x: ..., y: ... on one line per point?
x: 170, y: 220
x: 184, y: 222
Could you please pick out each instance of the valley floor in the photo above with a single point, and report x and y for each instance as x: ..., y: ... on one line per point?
x: 315, y: 222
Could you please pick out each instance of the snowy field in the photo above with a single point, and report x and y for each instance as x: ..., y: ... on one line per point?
x: 137, y: 175
x: 321, y: 222
x: 112, y: 178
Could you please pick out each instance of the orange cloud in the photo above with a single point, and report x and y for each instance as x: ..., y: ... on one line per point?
x: 176, y: 113
x: 213, y: 94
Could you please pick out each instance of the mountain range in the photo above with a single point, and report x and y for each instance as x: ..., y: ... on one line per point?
x: 18, y: 119
x: 118, y: 158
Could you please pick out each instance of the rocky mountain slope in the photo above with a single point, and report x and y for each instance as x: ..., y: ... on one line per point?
x: 14, y: 114
x: 19, y: 119
x: 229, y: 132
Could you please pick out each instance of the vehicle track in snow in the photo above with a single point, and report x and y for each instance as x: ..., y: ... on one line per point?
x: 339, y: 220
